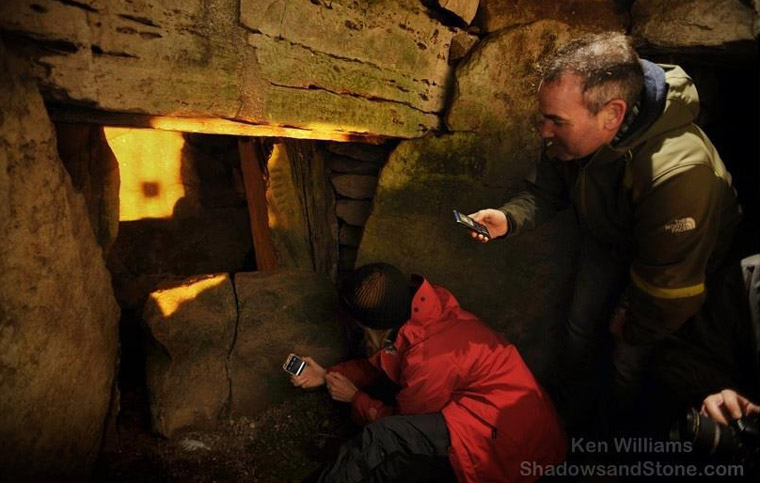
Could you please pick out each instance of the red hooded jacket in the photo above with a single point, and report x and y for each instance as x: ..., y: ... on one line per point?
x: 446, y: 360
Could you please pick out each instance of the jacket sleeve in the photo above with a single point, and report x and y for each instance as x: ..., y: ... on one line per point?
x: 425, y: 388
x: 361, y: 372
x: 545, y: 194
x: 676, y: 228
x: 366, y: 410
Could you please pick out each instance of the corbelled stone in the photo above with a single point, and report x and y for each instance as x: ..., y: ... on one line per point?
x: 364, y: 152
x: 353, y: 212
x: 496, y: 95
x: 356, y: 186
x: 344, y: 164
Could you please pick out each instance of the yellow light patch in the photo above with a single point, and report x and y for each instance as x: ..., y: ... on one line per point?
x: 170, y: 300
x: 150, y: 163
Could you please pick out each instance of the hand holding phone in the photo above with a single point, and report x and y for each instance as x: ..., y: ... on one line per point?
x: 294, y: 365
x: 304, y: 372
x: 471, y: 224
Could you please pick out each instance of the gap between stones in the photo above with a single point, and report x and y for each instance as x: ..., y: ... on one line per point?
x: 228, y: 406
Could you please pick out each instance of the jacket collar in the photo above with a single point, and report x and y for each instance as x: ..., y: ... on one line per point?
x: 652, y: 105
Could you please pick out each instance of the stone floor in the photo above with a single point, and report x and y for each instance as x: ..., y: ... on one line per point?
x: 283, y: 444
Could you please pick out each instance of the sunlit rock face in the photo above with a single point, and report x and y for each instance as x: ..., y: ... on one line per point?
x: 150, y: 163
x: 58, y: 315
x: 182, y: 207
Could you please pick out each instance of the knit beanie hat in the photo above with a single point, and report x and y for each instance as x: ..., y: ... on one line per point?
x: 377, y: 296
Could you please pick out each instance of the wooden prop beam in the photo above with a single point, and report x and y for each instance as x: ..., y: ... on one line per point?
x: 251, y: 163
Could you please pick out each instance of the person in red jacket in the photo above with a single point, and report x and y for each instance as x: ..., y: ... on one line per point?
x: 468, y: 407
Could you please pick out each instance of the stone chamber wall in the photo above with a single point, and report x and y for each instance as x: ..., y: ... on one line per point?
x: 376, y: 120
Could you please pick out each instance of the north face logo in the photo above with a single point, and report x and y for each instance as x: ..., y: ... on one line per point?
x: 681, y: 225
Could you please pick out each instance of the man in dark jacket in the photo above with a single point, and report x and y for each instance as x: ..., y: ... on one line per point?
x: 656, y: 211
x: 467, y: 401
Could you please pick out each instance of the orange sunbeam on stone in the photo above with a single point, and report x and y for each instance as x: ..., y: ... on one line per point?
x: 169, y: 300
x: 149, y: 166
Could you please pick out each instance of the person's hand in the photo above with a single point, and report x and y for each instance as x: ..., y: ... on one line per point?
x: 313, y: 375
x: 494, y: 220
x: 339, y: 387
x: 617, y: 322
x: 727, y: 405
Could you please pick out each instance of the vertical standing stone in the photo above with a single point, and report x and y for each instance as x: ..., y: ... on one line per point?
x: 58, y: 315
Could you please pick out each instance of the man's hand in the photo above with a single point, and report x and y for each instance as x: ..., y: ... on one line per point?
x: 494, y: 220
x: 313, y: 375
x: 617, y: 322
x: 339, y: 387
x: 727, y: 405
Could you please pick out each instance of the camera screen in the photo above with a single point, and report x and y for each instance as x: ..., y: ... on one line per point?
x: 295, y: 365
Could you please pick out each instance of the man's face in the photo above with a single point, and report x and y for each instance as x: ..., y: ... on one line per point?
x: 572, y: 130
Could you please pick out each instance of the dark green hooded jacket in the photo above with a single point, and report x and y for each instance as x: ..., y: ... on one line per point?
x: 661, y: 196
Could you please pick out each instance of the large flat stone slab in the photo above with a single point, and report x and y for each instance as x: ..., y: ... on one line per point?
x: 280, y: 312
x: 326, y: 68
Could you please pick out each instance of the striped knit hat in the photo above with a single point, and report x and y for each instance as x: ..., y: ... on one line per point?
x: 377, y: 296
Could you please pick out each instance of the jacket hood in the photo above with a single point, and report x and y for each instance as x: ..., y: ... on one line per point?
x: 430, y: 305
x: 670, y: 101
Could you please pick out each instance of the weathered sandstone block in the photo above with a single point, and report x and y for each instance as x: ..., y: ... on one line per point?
x: 190, y: 331
x: 280, y: 312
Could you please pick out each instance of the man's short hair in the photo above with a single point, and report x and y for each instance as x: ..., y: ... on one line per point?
x: 608, y: 65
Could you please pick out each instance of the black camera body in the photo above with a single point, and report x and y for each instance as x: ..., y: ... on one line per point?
x: 711, y: 440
